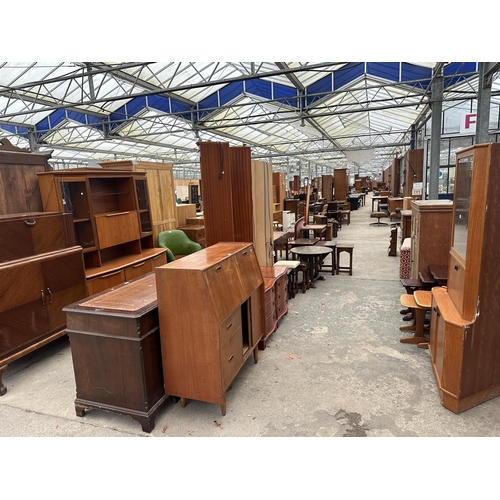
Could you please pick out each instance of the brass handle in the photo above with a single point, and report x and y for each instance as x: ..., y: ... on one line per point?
x: 28, y: 223
x: 118, y: 213
x: 229, y: 326
x: 230, y: 358
x: 50, y: 295
x: 218, y: 269
x: 110, y: 274
x: 139, y: 265
x: 43, y: 297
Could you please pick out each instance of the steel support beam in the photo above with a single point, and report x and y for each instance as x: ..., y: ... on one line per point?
x: 437, y: 110
x: 486, y: 70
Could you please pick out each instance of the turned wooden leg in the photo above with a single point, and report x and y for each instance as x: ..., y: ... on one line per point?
x: 256, y: 354
x: 223, y: 406
x: 183, y: 402
x: 3, y: 389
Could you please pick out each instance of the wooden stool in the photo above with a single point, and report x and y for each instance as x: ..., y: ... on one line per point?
x: 344, y: 247
x: 330, y: 244
x: 346, y: 215
x: 293, y: 271
x: 419, y: 309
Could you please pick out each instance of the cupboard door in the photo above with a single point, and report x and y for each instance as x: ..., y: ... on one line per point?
x: 64, y: 283
x: 23, y: 312
x: 117, y: 228
x: 30, y: 236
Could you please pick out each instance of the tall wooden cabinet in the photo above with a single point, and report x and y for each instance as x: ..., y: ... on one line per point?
x: 465, y: 338
x: 431, y: 222
x: 411, y: 171
x: 41, y: 271
x: 19, y: 190
x: 211, y: 319
x: 340, y: 184
x: 111, y: 219
x: 279, y: 186
x: 237, y: 198
x: 161, y: 191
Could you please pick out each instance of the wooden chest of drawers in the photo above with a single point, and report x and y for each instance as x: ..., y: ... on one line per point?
x: 115, y: 345
x: 276, y: 298
x: 195, y: 233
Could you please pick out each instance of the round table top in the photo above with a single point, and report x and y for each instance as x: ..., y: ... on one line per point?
x: 312, y: 250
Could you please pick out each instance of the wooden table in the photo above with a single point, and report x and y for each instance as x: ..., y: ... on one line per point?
x: 303, y: 242
x: 312, y: 256
x: 316, y: 228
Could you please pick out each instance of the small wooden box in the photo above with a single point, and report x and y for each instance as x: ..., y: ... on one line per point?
x: 115, y: 345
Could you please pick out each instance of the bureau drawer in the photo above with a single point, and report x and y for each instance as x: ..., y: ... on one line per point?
x: 229, y: 326
x: 138, y: 269
x: 105, y: 281
x: 231, y: 356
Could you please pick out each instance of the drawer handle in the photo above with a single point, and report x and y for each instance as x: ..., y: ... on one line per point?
x: 218, y: 269
x: 116, y: 214
x: 30, y: 223
x: 455, y: 267
x: 245, y: 253
x: 229, y: 326
x: 50, y: 295
x: 43, y: 297
x: 230, y: 358
x: 138, y: 265
x: 110, y: 274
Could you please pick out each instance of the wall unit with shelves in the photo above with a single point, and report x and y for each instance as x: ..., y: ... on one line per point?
x: 111, y: 218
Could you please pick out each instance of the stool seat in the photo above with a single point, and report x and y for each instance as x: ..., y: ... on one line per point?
x: 344, y: 247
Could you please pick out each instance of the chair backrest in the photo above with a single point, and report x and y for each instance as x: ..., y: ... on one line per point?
x: 299, y: 224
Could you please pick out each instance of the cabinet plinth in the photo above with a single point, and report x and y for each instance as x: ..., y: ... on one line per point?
x: 211, y: 319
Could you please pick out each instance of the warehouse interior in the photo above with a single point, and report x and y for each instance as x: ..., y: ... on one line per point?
x: 334, y: 364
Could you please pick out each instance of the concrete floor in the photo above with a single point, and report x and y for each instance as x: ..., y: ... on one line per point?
x: 335, y: 367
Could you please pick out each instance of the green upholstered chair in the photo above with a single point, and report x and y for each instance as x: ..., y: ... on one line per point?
x: 177, y: 244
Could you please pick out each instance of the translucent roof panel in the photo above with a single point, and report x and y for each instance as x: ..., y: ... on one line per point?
x: 287, y: 112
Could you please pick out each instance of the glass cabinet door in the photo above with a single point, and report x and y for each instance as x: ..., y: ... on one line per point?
x: 463, y: 179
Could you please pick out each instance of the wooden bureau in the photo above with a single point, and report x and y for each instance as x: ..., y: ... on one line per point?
x: 115, y: 346
x: 211, y: 314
